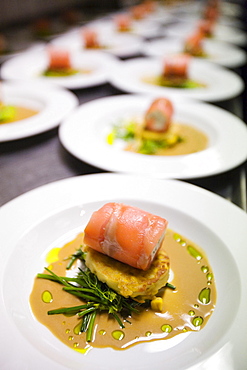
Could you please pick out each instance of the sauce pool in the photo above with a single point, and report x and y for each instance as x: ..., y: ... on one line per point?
x: 20, y: 113
x: 185, y: 309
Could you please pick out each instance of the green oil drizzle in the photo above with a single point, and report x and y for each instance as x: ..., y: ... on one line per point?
x: 118, y: 334
x: 166, y: 328
x: 210, y: 276
x: 77, y: 329
x: 204, y: 295
x: 204, y: 269
x: 148, y: 333
x: 197, y: 321
x: 47, y: 296
x: 192, y: 313
x: 194, y: 253
x: 102, y: 332
x: 177, y: 237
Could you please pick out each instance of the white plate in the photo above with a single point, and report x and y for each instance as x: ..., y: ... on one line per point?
x: 55, y: 213
x: 221, y: 32
x: 142, y: 28
x: 29, y: 66
x: 121, y: 45
x: 84, y: 134
x: 219, y: 52
x: 222, y: 19
x: 221, y: 84
x: 53, y: 103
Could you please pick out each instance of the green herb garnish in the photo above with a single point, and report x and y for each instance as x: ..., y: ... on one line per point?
x: 96, y: 297
x: 60, y: 72
x: 178, y: 83
x: 79, y: 254
x: 131, y: 133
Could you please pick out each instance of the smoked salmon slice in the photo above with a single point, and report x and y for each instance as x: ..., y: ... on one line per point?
x: 125, y: 233
x: 123, y: 22
x: 159, y: 115
x: 194, y: 44
x: 90, y: 38
x: 59, y: 59
x: 176, y: 66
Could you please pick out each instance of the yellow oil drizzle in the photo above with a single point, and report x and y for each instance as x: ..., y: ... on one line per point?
x: 52, y: 256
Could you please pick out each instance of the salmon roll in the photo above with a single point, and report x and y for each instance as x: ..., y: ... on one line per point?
x: 90, y: 38
x: 59, y: 59
x: 138, y: 11
x: 123, y: 22
x: 176, y: 66
x: 149, y: 5
x: 125, y: 233
x: 206, y: 27
x: 158, y: 117
x: 194, y: 44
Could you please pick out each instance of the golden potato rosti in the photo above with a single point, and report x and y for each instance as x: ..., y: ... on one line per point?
x: 127, y: 280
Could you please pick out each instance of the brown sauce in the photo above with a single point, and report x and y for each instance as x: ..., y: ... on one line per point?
x: 20, y: 113
x: 193, y: 140
x: 187, y: 308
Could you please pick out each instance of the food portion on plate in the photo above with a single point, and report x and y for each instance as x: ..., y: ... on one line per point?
x: 90, y: 39
x: 143, y: 9
x: 157, y: 133
x: 13, y: 113
x: 193, y: 45
x: 198, y: 46
x: 175, y: 74
x: 123, y: 22
x: 124, y: 281
x: 60, y: 64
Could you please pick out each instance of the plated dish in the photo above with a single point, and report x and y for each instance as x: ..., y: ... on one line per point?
x: 84, y: 134
x: 139, y: 76
x: 142, y: 28
x: 218, y: 52
x: 50, y: 105
x: 94, y: 67
x: 220, y: 33
x: 121, y: 45
x: 62, y: 210
x: 127, y: 289
x: 222, y: 19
